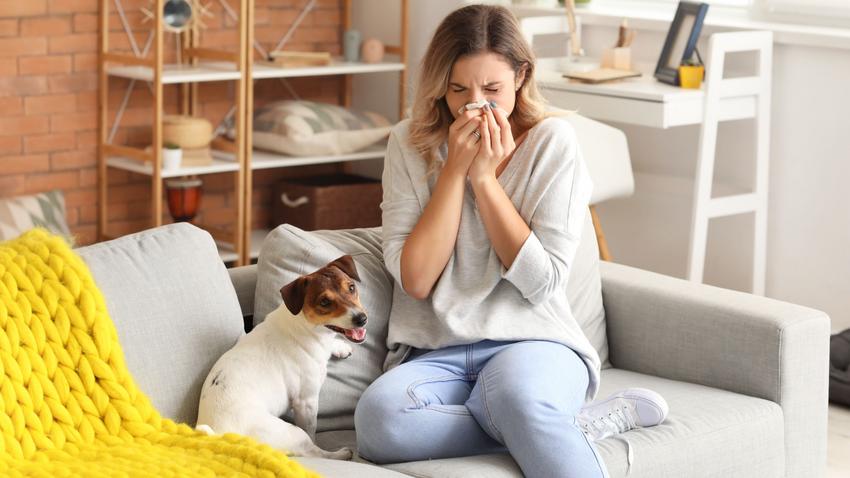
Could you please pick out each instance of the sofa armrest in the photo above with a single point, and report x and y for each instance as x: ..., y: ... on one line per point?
x: 244, y: 280
x: 740, y: 342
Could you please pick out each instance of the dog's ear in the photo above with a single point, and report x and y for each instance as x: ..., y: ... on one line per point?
x: 346, y: 264
x: 293, y: 294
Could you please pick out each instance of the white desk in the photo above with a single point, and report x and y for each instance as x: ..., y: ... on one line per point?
x: 647, y: 102
x: 641, y: 101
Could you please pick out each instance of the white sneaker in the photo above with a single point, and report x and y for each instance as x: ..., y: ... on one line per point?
x: 621, y: 412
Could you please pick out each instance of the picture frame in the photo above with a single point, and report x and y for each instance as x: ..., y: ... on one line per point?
x: 681, y: 40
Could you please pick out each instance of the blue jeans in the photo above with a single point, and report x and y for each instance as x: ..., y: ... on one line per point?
x: 488, y: 397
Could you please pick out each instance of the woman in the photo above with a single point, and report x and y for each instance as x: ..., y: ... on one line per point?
x: 472, y: 197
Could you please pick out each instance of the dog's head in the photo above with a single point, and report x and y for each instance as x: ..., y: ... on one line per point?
x: 329, y: 297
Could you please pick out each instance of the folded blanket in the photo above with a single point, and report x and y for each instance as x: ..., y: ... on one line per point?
x: 70, y: 406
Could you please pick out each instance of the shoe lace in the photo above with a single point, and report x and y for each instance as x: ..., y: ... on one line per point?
x: 618, y: 420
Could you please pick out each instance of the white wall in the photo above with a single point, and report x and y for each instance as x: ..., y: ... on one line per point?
x: 809, y: 208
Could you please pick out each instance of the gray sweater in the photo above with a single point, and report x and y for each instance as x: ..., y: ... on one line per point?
x: 476, y: 298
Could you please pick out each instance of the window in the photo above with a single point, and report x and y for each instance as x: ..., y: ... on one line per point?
x: 822, y: 12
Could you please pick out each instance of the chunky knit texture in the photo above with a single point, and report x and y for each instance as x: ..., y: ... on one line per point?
x: 70, y: 406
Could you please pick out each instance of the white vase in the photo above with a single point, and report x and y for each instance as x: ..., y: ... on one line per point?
x: 171, y: 159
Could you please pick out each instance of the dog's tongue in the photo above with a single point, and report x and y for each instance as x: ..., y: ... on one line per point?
x: 356, y: 334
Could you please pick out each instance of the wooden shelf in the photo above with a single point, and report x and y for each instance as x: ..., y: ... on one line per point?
x: 337, y: 67
x: 177, y: 73
x: 224, y: 71
x: 226, y: 162
x: 221, y: 164
x: 225, y: 249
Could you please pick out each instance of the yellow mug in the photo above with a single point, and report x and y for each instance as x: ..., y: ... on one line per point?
x: 691, y: 76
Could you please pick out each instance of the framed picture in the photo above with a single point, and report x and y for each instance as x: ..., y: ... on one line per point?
x: 681, y: 40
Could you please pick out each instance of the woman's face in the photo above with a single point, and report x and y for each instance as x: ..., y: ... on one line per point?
x: 485, y: 76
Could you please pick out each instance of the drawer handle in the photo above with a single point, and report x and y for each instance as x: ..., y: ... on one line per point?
x: 290, y: 203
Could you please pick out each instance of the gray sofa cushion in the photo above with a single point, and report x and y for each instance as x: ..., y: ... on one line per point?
x: 289, y: 252
x: 709, y: 433
x: 174, y: 307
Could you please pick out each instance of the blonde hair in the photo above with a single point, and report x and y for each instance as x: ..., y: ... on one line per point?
x: 469, y: 31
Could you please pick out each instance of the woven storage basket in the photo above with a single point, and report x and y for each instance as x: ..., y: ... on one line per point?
x: 186, y: 131
x: 336, y: 201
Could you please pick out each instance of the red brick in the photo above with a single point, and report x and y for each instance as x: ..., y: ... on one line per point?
x: 87, y: 139
x: 88, y: 212
x: 85, y: 62
x: 88, y: 177
x: 50, y: 142
x: 23, y: 46
x: 78, y: 42
x: 22, y: 8
x: 87, y: 101
x: 11, y: 185
x: 41, y: 65
x: 85, y: 22
x: 47, y: 181
x: 8, y: 67
x: 50, y: 104
x: 74, y: 6
x: 32, y: 163
x: 10, y: 145
x: 22, y: 86
x: 11, y: 106
x: 71, y: 216
x: 45, y: 26
x: 72, y: 160
x: 9, y: 28
x: 73, y: 122
x: 23, y: 125
x: 72, y: 83
x: 80, y: 197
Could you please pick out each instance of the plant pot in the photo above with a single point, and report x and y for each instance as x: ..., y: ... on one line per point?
x: 691, y: 76
x: 184, y: 198
x: 171, y: 159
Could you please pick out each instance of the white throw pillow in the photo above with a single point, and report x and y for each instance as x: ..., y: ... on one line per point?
x: 309, y: 128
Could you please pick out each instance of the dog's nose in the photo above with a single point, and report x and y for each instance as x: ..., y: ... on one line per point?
x: 359, y: 319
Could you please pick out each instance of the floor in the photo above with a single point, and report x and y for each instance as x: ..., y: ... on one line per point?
x: 838, y: 442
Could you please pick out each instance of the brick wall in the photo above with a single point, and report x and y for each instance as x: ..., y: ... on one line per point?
x: 48, y: 103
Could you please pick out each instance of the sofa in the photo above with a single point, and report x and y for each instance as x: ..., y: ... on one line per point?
x: 745, y: 376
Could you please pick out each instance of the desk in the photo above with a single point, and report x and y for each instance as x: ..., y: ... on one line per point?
x: 645, y: 101
x: 640, y: 101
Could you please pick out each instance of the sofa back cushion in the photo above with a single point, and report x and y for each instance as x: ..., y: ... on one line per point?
x: 289, y: 252
x: 174, y: 307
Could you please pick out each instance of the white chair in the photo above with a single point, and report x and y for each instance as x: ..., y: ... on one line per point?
x: 606, y: 153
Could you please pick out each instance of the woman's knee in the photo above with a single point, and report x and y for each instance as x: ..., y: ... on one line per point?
x: 378, y: 421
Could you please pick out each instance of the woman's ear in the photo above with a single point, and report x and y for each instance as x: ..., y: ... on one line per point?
x: 520, y: 77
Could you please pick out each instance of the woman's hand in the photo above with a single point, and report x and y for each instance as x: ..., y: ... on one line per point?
x: 463, y: 144
x: 497, y: 143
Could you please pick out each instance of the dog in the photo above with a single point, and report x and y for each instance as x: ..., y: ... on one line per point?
x: 282, y: 363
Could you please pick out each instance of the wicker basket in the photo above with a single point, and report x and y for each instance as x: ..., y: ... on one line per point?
x: 186, y: 131
x: 337, y: 201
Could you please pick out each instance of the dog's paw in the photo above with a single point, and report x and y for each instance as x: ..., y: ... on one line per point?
x: 341, y: 350
x: 344, y: 453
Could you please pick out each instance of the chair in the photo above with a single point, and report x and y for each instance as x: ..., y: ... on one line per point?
x: 606, y: 153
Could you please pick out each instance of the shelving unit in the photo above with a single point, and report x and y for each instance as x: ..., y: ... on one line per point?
x: 202, y: 65
x: 237, y: 157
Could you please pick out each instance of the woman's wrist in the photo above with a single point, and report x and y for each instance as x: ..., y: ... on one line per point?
x: 480, y: 182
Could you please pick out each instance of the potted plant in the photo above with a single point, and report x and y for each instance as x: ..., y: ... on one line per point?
x: 172, y: 156
x: 691, y: 72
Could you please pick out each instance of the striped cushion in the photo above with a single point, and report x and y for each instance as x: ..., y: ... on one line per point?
x: 22, y: 213
x: 309, y: 128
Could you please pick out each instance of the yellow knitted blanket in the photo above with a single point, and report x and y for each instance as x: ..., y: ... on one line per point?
x: 70, y: 406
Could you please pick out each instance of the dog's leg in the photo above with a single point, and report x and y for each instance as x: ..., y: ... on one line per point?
x: 290, y: 439
x: 306, y: 412
x: 340, y: 349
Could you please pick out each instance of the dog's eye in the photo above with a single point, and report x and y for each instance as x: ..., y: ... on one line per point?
x: 324, y: 302
x: 351, y: 288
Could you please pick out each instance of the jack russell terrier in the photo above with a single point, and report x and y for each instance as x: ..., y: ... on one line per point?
x: 283, y: 362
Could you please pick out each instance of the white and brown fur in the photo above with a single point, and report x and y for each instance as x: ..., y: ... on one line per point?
x: 282, y: 363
